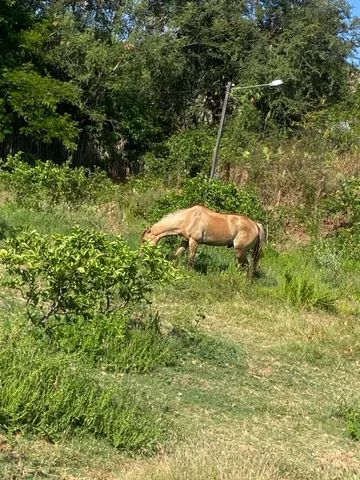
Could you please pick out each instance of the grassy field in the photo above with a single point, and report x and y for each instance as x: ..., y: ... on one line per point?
x: 259, y: 395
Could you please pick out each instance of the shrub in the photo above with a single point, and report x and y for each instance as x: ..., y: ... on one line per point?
x: 348, y: 243
x: 5, y: 229
x: 327, y: 256
x: 53, y: 395
x: 120, y: 342
x: 182, y: 155
x: 353, y: 422
x: 46, y: 183
x: 346, y: 201
x: 86, y: 292
x: 215, y: 194
x: 79, y: 275
x: 139, y: 195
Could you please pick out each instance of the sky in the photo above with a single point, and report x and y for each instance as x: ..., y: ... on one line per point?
x: 355, y: 4
x: 356, y: 7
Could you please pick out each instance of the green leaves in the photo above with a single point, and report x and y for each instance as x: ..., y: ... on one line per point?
x: 115, y: 81
x: 56, y: 396
x: 346, y: 201
x: 35, y: 100
x: 345, y: 207
x: 83, y: 275
x: 184, y: 154
x: 45, y: 184
x: 349, y: 411
x: 215, y: 194
x: 87, y: 294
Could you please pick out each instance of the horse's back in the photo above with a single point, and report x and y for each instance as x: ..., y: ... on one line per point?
x: 206, y: 226
x: 213, y: 228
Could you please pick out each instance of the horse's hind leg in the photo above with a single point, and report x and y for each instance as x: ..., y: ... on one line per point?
x: 241, y: 246
x: 243, y: 261
x: 183, y: 246
x: 241, y: 257
x: 193, y: 246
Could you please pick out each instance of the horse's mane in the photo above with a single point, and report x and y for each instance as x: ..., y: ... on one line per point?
x: 172, y: 214
x: 177, y: 212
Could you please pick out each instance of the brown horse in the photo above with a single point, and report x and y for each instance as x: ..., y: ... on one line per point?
x: 199, y: 224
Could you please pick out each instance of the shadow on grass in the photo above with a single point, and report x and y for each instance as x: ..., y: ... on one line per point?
x: 215, y: 351
x: 6, y: 230
x: 205, y: 263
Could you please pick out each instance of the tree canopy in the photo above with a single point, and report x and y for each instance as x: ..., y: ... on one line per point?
x: 102, y: 81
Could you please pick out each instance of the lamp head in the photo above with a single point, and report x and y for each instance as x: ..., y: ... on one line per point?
x: 276, y: 83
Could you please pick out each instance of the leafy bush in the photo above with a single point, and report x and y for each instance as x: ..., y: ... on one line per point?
x: 83, y: 274
x: 5, y: 229
x: 120, y: 342
x: 348, y: 242
x: 353, y: 422
x: 327, y: 256
x: 346, y: 205
x: 86, y: 290
x: 45, y: 183
x: 215, y: 194
x: 139, y: 195
x: 184, y: 154
x: 51, y: 394
x: 338, y: 124
x: 346, y: 201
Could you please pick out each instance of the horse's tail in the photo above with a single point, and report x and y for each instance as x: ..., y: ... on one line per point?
x: 258, y: 246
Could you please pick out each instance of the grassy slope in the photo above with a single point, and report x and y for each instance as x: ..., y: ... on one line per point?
x: 259, y: 402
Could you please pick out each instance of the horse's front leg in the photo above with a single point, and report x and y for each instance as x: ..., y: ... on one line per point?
x: 183, y: 246
x: 155, y: 240
x: 193, y: 246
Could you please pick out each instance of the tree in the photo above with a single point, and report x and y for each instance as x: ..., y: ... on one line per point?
x: 306, y: 43
x: 106, y: 80
x: 15, y: 16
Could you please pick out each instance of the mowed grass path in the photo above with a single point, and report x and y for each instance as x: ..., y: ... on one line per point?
x: 282, y: 403
x: 259, y: 401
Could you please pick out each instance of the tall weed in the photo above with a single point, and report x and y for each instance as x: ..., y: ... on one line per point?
x: 350, y: 412
x: 126, y: 343
x: 300, y: 291
x: 296, y: 279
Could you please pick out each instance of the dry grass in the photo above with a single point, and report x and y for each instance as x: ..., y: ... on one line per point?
x: 211, y: 459
x: 294, y: 173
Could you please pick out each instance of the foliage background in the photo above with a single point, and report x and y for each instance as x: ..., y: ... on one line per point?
x: 103, y: 83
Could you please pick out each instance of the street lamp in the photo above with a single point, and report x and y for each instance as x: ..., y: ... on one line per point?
x: 274, y: 83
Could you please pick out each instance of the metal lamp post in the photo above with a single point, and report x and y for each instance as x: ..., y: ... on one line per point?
x: 215, y: 160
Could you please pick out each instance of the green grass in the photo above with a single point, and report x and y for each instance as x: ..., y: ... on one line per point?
x: 260, y: 376
x: 57, y: 396
x: 57, y: 221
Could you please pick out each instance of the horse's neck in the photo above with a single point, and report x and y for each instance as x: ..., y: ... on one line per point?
x: 167, y: 224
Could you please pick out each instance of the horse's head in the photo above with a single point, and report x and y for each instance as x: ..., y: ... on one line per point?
x: 148, y: 236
